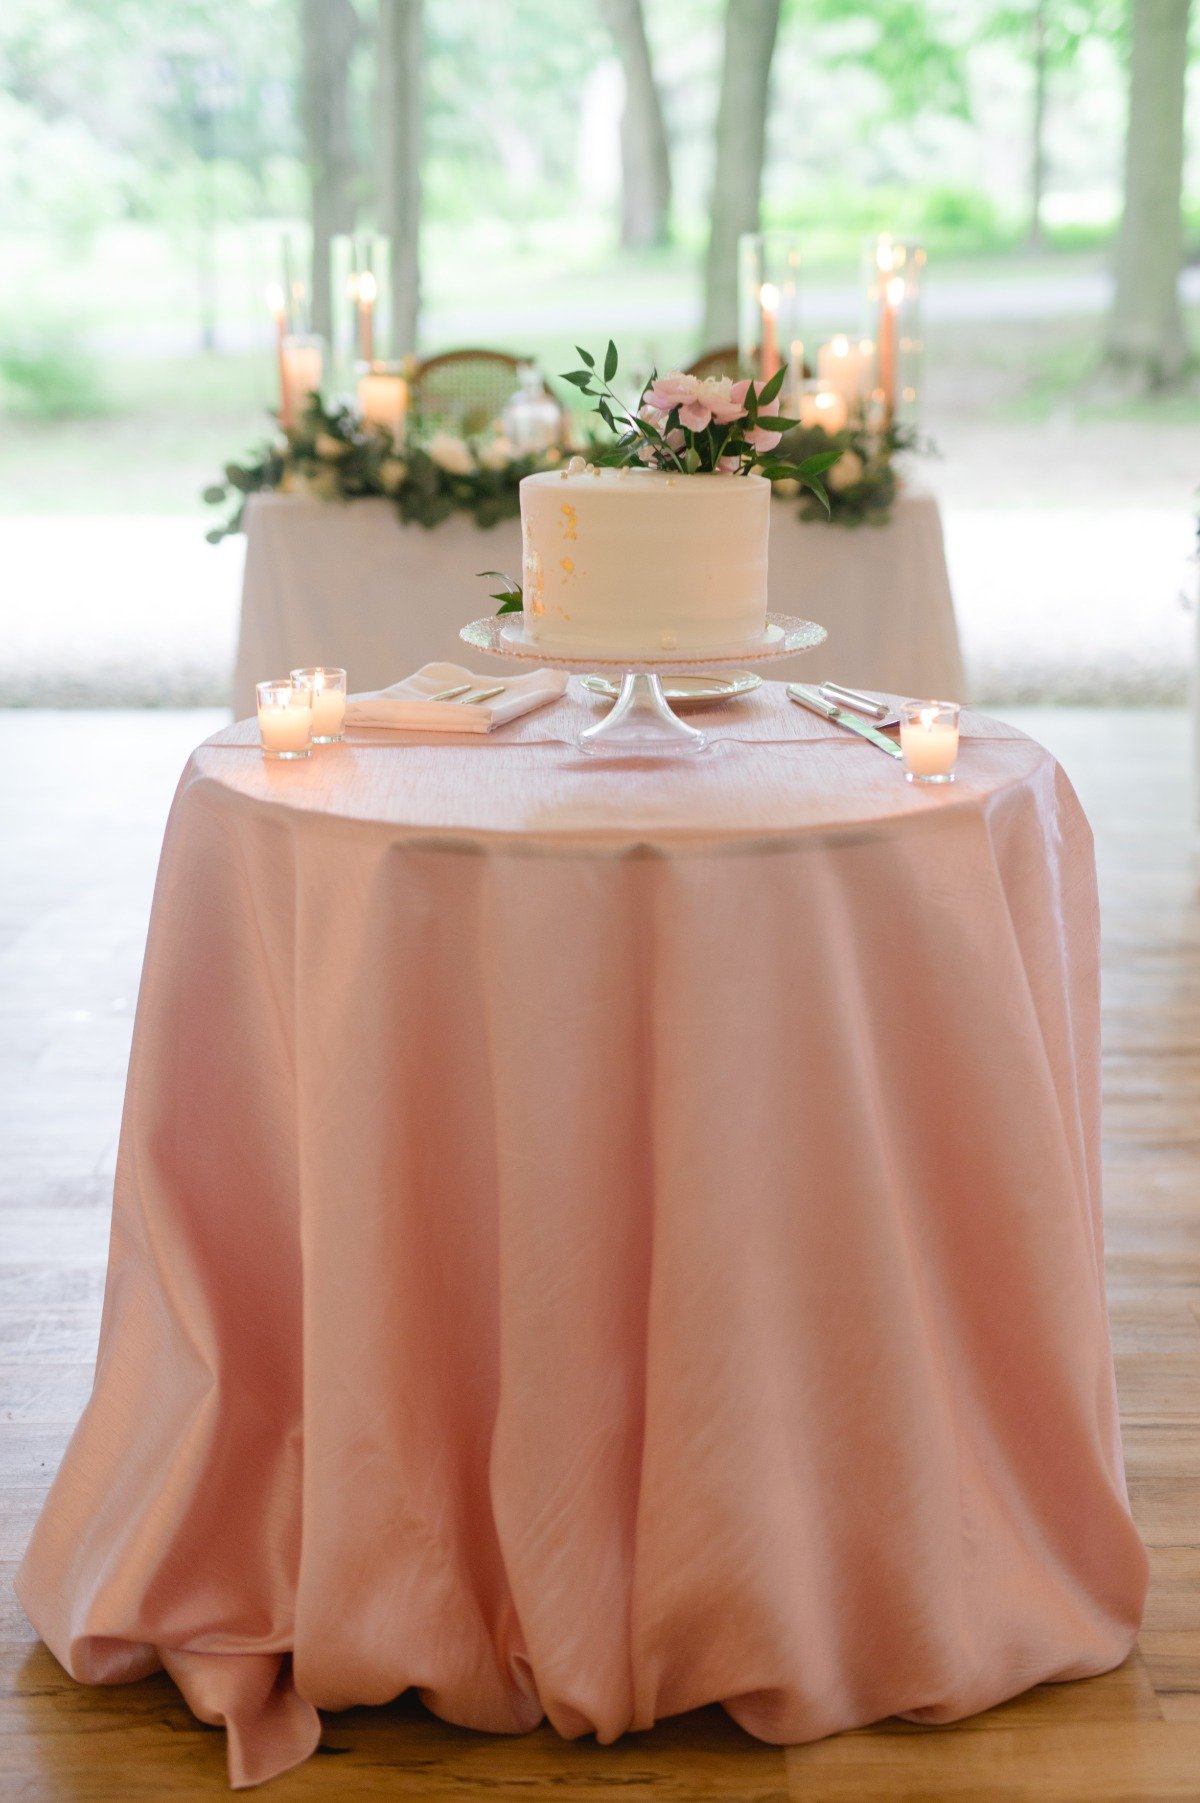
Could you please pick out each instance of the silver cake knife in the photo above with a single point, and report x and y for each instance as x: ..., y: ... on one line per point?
x: 840, y: 716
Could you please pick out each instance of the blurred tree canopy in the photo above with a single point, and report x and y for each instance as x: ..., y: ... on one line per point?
x: 976, y: 119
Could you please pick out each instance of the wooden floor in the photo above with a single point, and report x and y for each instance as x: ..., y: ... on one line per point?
x: 82, y: 800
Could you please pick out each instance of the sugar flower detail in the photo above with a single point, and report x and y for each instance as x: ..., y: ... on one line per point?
x: 693, y: 426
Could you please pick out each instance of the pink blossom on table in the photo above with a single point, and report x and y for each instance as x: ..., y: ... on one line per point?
x: 676, y: 439
x: 729, y: 464
x: 672, y: 390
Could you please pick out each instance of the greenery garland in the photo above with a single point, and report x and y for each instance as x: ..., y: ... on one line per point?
x: 331, y: 454
x: 863, y: 484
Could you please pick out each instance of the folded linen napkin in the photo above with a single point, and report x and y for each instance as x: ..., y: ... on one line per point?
x: 406, y: 705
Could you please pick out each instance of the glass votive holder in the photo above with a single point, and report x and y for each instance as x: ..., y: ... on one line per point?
x: 328, y: 702
x: 929, y: 740
x: 285, y: 718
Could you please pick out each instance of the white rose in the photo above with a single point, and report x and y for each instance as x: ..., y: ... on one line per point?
x: 497, y: 454
x: 391, y: 475
x: 330, y: 448
x: 845, y: 472
x: 451, y: 453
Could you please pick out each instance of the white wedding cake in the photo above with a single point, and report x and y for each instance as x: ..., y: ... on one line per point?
x: 618, y: 562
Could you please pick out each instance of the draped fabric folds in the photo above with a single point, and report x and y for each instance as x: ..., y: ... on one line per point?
x: 595, y: 1239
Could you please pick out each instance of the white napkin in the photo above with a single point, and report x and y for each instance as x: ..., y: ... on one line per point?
x: 406, y: 705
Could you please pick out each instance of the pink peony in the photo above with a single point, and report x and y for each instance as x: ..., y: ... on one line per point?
x: 731, y: 464
x: 673, y: 390
x: 725, y: 399
x: 695, y: 415
x: 760, y: 438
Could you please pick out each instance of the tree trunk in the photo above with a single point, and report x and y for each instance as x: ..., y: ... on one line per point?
x: 1145, y: 328
x: 750, y: 28
x: 328, y: 29
x: 1037, y: 160
x: 400, y: 160
x: 645, y: 157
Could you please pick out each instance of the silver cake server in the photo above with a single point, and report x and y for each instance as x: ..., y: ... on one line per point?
x: 840, y: 716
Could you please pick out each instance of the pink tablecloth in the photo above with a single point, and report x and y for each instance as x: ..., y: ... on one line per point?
x: 596, y: 1239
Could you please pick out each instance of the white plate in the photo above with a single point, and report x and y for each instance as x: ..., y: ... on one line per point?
x: 686, y: 689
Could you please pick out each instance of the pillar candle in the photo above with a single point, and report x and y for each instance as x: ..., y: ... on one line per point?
x: 823, y: 408
x: 383, y: 401
x: 845, y: 368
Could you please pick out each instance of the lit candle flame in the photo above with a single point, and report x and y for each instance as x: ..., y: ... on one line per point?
x: 883, y: 254
x: 928, y: 718
x: 368, y: 288
x: 768, y: 296
x: 840, y: 345
x: 274, y: 297
x: 895, y: 290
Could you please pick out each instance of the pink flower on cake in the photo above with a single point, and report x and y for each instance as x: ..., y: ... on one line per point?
x: 673, y: 390
x: 724, y: 398
x: 759, y: 437
x: 763, y: 441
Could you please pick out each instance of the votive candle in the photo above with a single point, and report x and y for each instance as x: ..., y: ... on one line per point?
x: 285, y: 718
x: 929, y: 740
x: 328, y: 688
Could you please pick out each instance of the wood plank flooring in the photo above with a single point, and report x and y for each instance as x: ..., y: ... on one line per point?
x: 82, y: 803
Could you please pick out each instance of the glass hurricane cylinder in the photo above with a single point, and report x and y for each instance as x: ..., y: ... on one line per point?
x: 893, y: 269
x: 769, y: 308
x: 301, y: 365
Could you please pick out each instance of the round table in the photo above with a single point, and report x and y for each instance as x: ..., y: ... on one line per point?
x: 596, y: 1239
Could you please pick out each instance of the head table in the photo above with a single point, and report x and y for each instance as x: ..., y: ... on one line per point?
x: 351, y: 585
x: 592, y: 1239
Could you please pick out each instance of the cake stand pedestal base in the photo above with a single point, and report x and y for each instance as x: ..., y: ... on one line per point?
x: 641, y: 720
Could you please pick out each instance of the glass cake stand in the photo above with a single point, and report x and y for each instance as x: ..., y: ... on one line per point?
x: 641, y: 719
